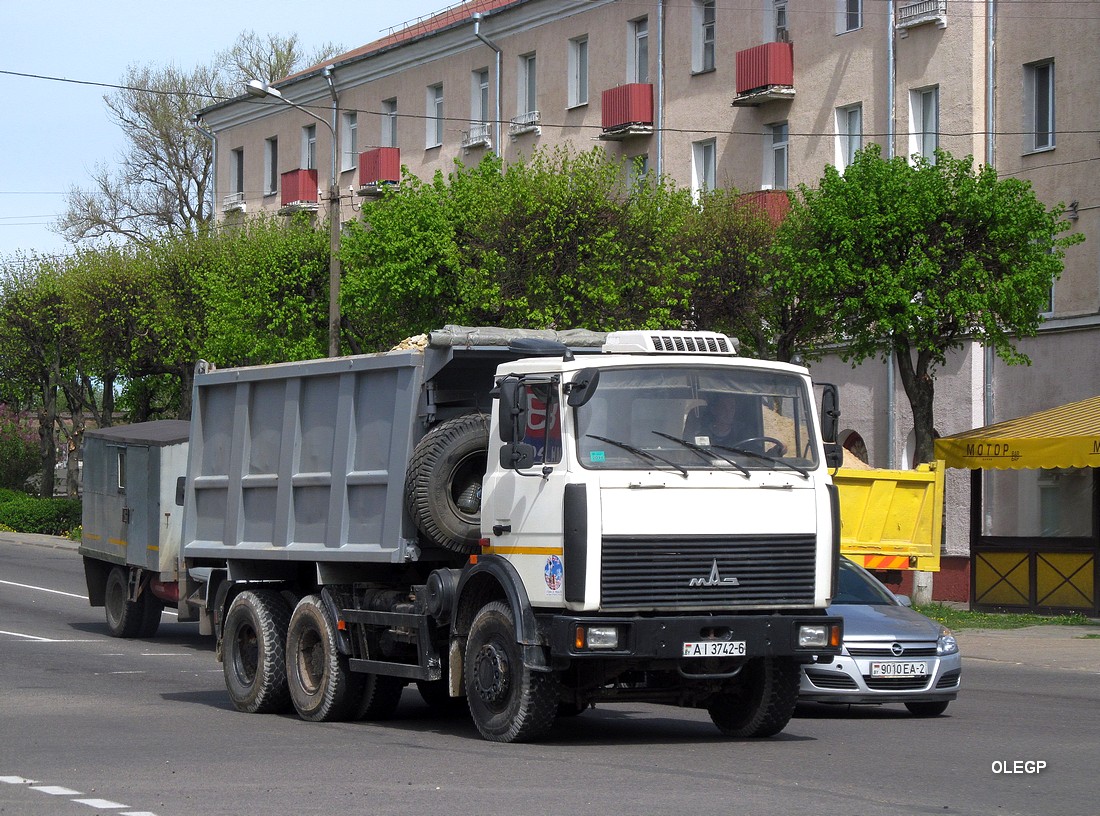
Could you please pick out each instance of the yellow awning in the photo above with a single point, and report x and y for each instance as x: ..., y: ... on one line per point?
x: 1063, y: 437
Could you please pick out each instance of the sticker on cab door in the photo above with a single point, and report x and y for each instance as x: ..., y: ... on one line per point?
x: 554, y: 575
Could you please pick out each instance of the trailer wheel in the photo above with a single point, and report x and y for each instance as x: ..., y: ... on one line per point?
x: 379, y: 697
x: 322, y: 687
x: 443, y: 482
x: 254, y: 646
x: 508, y: 701
x: 125, y: 618
x: 762, y: 705
x: 150, y: 620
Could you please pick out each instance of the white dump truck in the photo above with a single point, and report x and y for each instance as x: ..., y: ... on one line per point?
x: 538, y: 522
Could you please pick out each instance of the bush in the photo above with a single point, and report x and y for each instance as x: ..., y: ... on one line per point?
x: 27, y: 514
x: 18, y: 449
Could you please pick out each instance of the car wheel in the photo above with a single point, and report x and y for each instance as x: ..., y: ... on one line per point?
x: 927, y: 709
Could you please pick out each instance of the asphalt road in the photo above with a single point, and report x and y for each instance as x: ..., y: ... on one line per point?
x: 94, y: 725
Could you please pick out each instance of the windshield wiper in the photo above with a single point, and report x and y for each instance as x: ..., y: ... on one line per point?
x: 639, y: 452
x: 706, y: 453
x: 765, y: 457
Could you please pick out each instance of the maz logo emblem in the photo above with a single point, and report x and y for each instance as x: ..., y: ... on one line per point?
x: 714, y: 579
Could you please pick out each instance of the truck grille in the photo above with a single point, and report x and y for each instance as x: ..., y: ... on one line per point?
x: 640, y: 572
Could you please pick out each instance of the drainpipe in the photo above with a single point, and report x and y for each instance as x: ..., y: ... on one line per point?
x: 496, y: 96
x: 659, y: 166
x: 196, y: 122
x: 891, y: 363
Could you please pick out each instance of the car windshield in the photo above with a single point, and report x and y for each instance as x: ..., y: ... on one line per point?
x: 857, y: 587
x: 683, y: 418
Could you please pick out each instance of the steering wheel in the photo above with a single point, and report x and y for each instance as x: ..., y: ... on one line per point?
x: 777, y: 449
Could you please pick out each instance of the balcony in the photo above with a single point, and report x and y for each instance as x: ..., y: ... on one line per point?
x: 477, y: 136
x: 378, y: 169
x: 525, y: 123
x: 627, y: 111
x: 772, y: 205
x: 765, y: 73
x: 300, y: 192
x: 234, y: 202
x: 911, y: 15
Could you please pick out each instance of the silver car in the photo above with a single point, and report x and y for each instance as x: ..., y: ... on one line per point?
x: 892, y: 654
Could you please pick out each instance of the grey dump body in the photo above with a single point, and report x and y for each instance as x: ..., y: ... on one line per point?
x: 130, y: 515
x: 307, y: 461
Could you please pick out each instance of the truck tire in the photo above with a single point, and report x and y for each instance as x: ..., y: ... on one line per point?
x: 508, y: 701
x: 125, y: 618
x: 379, y: 698
x: 436, y: 694
x: 254, y: 646
x: 322, y: 687
x: 150, y: 619
x: 443, y: 482
x: 762, y: 705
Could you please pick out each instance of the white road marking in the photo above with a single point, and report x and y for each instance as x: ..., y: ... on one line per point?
x: 49, y: 640
x: 67, y: 594
x: 17, y: 780
x: 55, y: 790
x: 102, y: 804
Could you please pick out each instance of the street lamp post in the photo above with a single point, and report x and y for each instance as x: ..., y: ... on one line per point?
x: 261, y: 89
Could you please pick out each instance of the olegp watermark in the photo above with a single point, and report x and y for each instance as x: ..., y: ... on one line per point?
x: 1019, y: 766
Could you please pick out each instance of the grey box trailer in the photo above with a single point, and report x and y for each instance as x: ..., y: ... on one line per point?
x: 131, y: 523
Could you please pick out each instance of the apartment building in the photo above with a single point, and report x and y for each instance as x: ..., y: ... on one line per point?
x: 752, y: 94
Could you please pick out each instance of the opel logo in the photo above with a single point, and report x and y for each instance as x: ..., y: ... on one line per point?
x: 896, y: 649
x: 714, y: 579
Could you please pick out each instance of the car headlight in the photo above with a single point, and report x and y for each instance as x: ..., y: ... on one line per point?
x: 946, y: 645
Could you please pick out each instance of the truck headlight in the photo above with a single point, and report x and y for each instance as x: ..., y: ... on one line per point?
x: 818, y: 636
x: 597, y: 637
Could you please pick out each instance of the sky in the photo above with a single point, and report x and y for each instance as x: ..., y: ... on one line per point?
x: 53, y: 133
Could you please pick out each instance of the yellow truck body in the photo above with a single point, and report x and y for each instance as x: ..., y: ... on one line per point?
x: 892, y: 519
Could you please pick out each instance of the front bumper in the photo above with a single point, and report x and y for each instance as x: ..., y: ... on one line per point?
x: 663, y: 638
x: 848, y: 679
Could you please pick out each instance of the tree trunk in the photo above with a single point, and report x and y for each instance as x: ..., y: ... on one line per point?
x: 47, y: 438
x: 920, y: 387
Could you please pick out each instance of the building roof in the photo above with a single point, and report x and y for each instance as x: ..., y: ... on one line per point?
x: 1063, y: 437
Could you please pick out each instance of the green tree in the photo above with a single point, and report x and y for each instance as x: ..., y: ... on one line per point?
x: 917, y: 259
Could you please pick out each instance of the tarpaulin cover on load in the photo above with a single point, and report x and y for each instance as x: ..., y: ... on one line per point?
x: 1063, y: 437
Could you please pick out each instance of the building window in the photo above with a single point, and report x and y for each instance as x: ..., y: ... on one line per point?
x: 578, y: 71
x: 479, y: 97
x: 775, y: 156
x: 924, y: 123
x: 309, y: 147
x: 1039, y: 104
x: 434, y: 133
x: 389, y: 122
x: 703, y: 37
x: 849, y: 134
x: 349, y: 141
x: 271, y: 166
x: 528, y: 96
x: 779, y: 18
x: 850, y: 14
x: 236, y: 170
x: 638, y: 65
x: 702, y: 167
x: 638, y: 169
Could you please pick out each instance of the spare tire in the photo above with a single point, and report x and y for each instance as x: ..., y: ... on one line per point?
x: 443, y: 482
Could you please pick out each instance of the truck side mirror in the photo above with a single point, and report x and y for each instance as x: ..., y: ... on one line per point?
x: 517, y: 456
x: 510, y: 410
x: 834, y: 455
x: 181, y: 489
x: 830, y: 412
x: 581, y: 389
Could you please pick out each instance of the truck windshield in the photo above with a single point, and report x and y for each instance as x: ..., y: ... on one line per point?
x: 697, y: 418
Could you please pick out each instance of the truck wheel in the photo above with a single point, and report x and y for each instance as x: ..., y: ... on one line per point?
x: 125, y: 618
x: 150, y: 620
x: 322, y: 687
x: 254, y: 645
x: 437, y: 695
x: 443, y: 482
x: 380, y: 697
x: 508, y: 701
x: 763, y: 704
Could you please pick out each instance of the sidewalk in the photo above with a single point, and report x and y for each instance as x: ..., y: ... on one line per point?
x: 1072, y: 648
x: 54, y: 542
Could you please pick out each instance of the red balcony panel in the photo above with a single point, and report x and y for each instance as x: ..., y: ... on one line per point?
x: 627, y: 105
x: 299, y: 185
x: 765, y: 65
x: 772, y: 204
x: 379, y: 166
